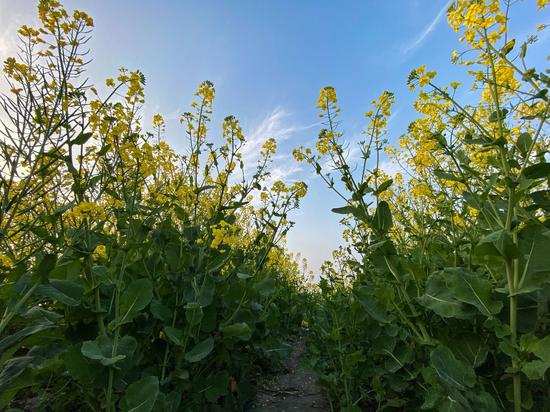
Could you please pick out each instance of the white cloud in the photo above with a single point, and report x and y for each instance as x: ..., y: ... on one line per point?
x: 390, y: 167
x: 273, y: 125
x: 276, y: 124
x: 428, y: 29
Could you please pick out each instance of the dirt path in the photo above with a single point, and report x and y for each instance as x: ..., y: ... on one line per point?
x: 295, y: 389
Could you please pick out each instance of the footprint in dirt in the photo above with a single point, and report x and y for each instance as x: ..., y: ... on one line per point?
x: 295, y: 390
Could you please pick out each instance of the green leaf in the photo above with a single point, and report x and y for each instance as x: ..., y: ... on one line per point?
x: 447, y: 289
x: 498, y: 114
x: 12, y: 369
x: 217, y: 386
x: 344, y: 210
x: 243, y: 276
x: 541, y: 198
x: 103, y: 150
x: 101, y: 349
x: 382, y: 219
x: 498, y: 243
x: 439, y: 298
x: 469, y: 348
x: 200, y: 351
x: 534, y: 262
x: 447, y: 176
x: 141, y: 395
x: 266, y: 287
x: 383, y: 187
x: 160, y: 311
x: 65, y: 291
x: 536, y: 369
x: 537, y: 171
x: 451, y: 370
x: 524, y: 142
x: 237, y: 330
x: 135, y: 297
x: 203, y: 188
x: 193, y: 313
x: 46, y: 265
x: 373, y: 307
x: 473, y: 289
x: 357, y: 212
x: 174, y: 335
x: 81, y: 138
x: 21, y: 334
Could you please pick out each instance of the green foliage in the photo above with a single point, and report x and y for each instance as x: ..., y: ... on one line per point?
x: 133, y: 278
x: 440, y: 298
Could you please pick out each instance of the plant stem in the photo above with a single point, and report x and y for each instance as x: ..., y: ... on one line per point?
x: 9, y: 315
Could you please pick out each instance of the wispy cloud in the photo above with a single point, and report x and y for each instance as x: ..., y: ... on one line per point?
x: 428, y: 29
x: 276, y: 124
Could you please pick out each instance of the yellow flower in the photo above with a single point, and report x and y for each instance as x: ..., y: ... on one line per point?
x: 269, y: 147
x: 224, y: 234
x: 327, y: 98
x: 158, y: 121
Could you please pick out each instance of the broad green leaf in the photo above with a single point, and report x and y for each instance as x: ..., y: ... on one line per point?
x: 372, y: 306
x: 46, y: 265
x: 498, y: 243
x: 451, y: 370
x: 524, y: 142
x: 382, y: 219
x: 160, y: 311
x: 217, y: 386
x: 398, y: 358
x: 65, y: 291
x: 266, y: 287
x: 174, y: 335
x: 200, y: 351
x: 237, y: 330
x: 536, y: 369
x: 141, y: 396
x: 541, y: 198
x: 537, y: 171
x: 474, y: 289
x: 470, y: 349
x: 135, y: 297
x: 534, y: 265
x: 95, y: 349
x: 101, y: 349
x: 439, y: 298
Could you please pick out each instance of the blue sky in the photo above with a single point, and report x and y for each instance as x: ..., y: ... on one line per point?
x: 268, y: 60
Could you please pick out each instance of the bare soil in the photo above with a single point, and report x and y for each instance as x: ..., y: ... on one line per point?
x: 295, y: 389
